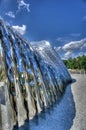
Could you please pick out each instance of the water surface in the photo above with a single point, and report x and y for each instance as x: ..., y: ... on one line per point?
x: 58, y: 117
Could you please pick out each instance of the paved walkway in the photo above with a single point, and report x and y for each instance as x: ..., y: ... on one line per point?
x: 79, y: 95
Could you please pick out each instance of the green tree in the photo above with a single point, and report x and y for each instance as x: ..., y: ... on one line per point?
x: 76, y: 63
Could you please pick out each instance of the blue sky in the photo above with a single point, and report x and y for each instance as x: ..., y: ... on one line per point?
x: 58, y: 21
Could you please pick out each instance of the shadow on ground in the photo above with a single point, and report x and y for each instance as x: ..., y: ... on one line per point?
x: 58, y: 117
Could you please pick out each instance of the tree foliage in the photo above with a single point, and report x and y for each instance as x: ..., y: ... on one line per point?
x: 76, y: 63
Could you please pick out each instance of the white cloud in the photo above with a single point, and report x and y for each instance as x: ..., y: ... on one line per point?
x: 68, y: 53
x: 72, y: 49
x: 75, y: 34
x: 68, y: 38
x: 75, y: 45
x: 62, y: 39
x: 22, y: 4
x: 10, y: 14
x: 20, y: 29
x: 81, y: 54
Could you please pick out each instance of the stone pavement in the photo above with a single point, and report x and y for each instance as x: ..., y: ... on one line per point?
x: 79, y: 95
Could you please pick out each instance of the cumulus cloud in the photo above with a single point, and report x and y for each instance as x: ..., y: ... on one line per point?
x: 10, y: 14
x: 72, y: 49
x: 68, y: 54
x: 20, y: 29
x: 75, y: 45
x: 22, y: 4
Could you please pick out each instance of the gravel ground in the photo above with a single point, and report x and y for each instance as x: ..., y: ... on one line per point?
x: 79, y: 95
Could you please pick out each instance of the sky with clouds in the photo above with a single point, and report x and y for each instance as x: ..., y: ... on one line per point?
x: 61, y: 22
